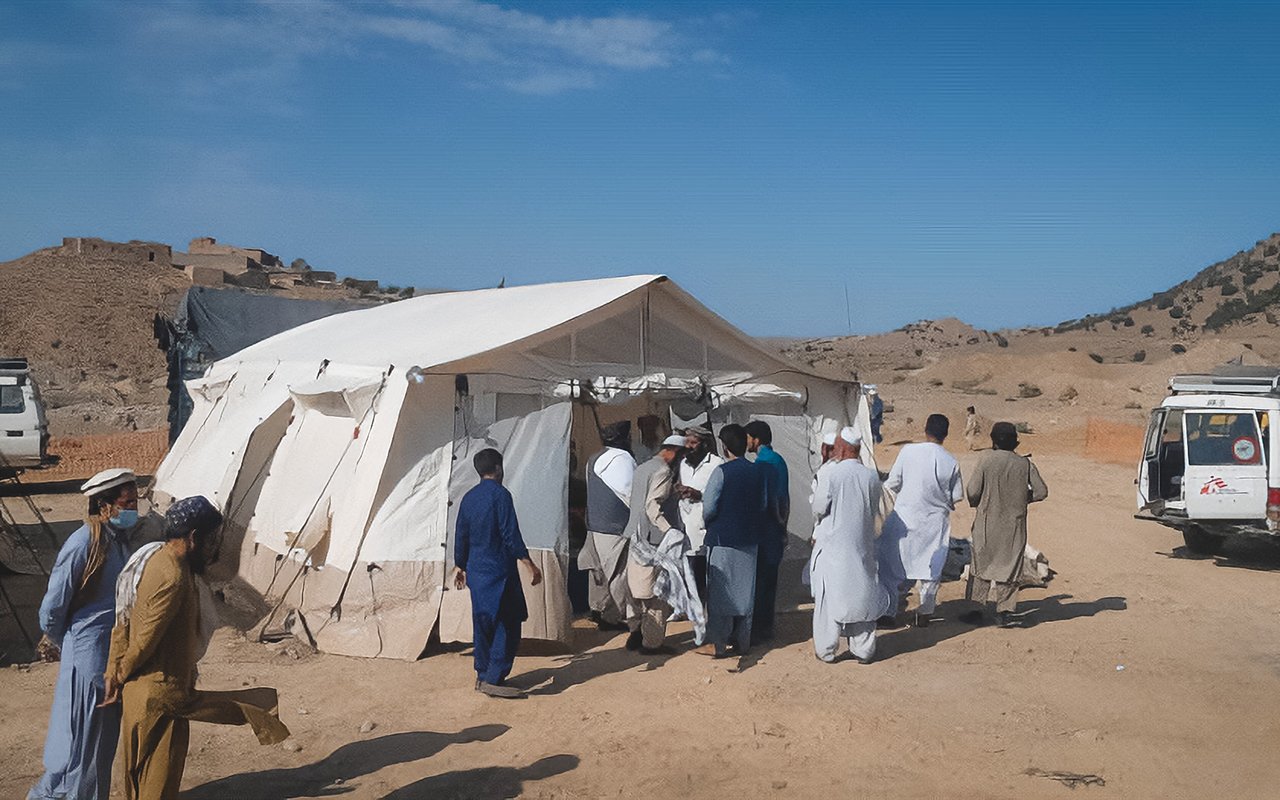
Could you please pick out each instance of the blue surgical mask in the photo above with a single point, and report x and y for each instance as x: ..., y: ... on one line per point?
x: 124, y: 519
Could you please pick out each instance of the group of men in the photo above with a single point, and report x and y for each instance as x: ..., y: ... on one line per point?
x: 707, y: 529
x: 685, y: 531
x: 692, y: 532
x: 128, y: 623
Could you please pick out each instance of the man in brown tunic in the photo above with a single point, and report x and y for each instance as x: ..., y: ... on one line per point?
x: 151, y: 667
x: 1001, y: 487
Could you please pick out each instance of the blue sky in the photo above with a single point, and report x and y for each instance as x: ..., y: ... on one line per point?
x: 1015, y: 163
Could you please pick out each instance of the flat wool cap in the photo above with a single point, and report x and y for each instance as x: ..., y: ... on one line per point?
x: 108, y: 479
x: 673, y: 440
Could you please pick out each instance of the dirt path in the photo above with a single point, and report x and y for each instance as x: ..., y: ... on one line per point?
x: 948, y: 710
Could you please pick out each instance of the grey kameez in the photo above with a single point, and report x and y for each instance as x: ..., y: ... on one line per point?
x: 1002, y: 486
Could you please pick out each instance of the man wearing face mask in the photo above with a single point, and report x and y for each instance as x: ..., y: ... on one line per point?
x: 76, y: 614
x: 163, y: 626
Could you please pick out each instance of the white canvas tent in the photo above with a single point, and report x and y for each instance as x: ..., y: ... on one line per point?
x: 339, y: 449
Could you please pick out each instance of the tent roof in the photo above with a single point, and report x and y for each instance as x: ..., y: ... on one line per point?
x: 441, y: 329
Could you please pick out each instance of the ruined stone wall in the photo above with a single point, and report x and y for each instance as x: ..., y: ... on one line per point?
x: 132, y: 252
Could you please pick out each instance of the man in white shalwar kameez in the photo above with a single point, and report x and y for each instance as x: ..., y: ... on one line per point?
x: 913, y: 544
x: 847, y: 594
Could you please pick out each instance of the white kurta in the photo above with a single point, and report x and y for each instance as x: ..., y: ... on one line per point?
x: 913, y: 544
x: 843, y: 565
x: 691, y: 512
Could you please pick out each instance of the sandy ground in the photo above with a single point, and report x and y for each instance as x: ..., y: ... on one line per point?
x: 1157, y: 673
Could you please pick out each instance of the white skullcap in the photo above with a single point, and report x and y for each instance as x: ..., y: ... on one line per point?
x: 851, y: 436
x: 674, y: 440
x: 830, y: 439
x: 107, y: 479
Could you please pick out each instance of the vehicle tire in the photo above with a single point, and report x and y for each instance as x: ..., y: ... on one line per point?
x: 1201, y: 541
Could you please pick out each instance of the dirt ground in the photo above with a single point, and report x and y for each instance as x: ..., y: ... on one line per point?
x: 1155, y: 671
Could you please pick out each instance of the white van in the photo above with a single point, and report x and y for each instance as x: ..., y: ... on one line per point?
x: 24, y: 432
x: 1209, y: 465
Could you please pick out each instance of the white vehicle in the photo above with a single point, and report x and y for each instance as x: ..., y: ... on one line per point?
x: 24, y: 432
x: 1209, y: 465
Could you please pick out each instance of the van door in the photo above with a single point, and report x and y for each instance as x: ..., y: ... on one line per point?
x: 1226, y: 469
x: 1149, y: 469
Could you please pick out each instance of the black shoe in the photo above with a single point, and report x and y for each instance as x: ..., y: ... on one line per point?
x: 601, y: 625
x: 505, y: 692
x: 661, y: 650
x: 635, y: 640
x: 887, y: 622
x: 922, y: 620
x: 973, y: 618
x: 1004, y: 620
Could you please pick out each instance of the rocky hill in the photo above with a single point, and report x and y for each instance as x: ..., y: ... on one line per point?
x: 1235, y: 300
x: 85, y: 321
x: 85, y: 324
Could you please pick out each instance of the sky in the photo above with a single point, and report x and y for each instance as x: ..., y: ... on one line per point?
x: 1008, y: 164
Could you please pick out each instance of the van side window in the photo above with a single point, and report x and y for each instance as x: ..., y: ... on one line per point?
x: 11, y: 401
x: 1223, y: 438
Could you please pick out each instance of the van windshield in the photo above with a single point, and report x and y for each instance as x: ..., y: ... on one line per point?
x: 1223, y: 438
x: 11, y: 400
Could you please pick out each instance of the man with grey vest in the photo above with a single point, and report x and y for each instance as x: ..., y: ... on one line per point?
x: 604, y: 555
x: 653, y: 517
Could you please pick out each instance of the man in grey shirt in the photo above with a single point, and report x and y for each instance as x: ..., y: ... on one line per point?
x: 650, y: 521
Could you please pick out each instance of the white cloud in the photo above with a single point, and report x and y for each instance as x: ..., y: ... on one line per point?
x: 264, y: 46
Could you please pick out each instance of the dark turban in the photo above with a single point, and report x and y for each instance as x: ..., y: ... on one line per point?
x: 191, y: 514
x: 617, y: 435
x: 1004, y: 436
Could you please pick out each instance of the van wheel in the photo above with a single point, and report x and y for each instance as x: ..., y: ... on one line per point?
x: 1201, y: 541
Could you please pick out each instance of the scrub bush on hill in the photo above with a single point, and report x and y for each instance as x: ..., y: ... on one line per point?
x: 1176, y: 312
x: 1147, y: 330
x: 1237, y: 308
x: 1229, y: 289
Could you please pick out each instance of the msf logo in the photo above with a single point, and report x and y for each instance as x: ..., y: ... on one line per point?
x: 1218, y: 486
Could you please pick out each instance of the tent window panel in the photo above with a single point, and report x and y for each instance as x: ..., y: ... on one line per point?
x: 611, y: 341
x: 558, y: 349
x: 672, y: 347
x: 719, y: 361
x: 517, y: 405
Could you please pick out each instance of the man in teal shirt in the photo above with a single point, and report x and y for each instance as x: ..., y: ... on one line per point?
x: 774, y: 541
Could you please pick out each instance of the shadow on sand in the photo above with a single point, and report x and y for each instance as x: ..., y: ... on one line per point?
x: 579, y: 668
x: 332, y: 775
x: 1245, y: 552
x: 1029, y: 614
x: 486, y: 781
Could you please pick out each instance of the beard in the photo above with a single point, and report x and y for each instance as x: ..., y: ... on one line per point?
x: 197, y: 562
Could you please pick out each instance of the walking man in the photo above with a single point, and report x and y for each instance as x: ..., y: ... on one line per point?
x: 162, y: 629
x: 77, y: 614
x: 1002, y: 486
x: 913, y: 544
x: 487, y: 546
x: 609, y: 476
x: 848, y: 597
x: 657, y: 546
